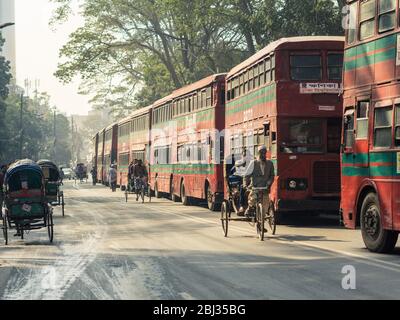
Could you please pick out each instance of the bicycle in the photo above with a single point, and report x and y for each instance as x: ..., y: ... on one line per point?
x: 262, y: 215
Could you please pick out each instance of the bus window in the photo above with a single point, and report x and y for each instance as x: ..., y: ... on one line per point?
x: 334, y: 132
x: 367, y: 19
x: 335, y: 66
x: 362, y: 120
x: 397, y: 126
x: 383, y: 127
x: 387, y: 15
x: 306, y: 67
x: 352, y: 24
x: 301, y: 136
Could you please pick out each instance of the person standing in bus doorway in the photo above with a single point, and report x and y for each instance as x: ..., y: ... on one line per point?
x: 94, y: 175
x: 112, y: 176
x: 260, y: 174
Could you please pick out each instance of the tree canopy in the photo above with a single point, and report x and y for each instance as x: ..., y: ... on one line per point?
x: 36, y: 128
x: 132, y: 52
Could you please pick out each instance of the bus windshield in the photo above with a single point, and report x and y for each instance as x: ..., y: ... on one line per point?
x: 301, y: 136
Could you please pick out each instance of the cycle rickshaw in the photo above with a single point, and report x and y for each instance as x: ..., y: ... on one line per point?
x: 142, y: 191
x: 25, y: 206
x: 261, y: 218
x: 54, y: 194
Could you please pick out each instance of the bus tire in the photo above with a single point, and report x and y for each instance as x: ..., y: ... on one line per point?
x: 184, y: 197
x: 156, y: 192
x: 376, y: 238
x: 174, y: 197
x: 211, y: 204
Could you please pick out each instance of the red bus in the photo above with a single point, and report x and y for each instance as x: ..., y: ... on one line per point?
x: 95, y: 143
x: 133, y: 142
x: 99, y: 155
x: 110, y: 150
x: 371, y: 136
x: 288, y: 97
x: 185, y: 150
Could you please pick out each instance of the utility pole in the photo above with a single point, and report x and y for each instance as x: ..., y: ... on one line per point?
x: 21, y: 130
x: 72, y: 140
x: 55, y: 135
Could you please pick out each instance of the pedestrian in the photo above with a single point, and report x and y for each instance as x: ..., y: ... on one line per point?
x: 93, y: 172
x: 112, y: 177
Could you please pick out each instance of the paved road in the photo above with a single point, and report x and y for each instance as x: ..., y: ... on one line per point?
x: 107, y: 249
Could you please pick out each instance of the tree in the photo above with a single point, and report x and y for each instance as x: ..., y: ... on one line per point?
x: 132, y: 52
x: 5, y: 78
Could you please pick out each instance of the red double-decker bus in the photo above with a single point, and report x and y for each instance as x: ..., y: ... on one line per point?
x: 133, y: 141
x: 95, y: 144
x: 110, y: 150
x: 288, y: 97
x: 99, y: 147
x: 185, y: 150
x: 371, y: 137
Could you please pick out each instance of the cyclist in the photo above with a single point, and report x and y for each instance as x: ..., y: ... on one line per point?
x: 131, y: 178
x: 140, y: 175
x: 260, y: 174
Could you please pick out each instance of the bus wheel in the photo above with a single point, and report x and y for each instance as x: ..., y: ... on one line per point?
x: 184, y: 198
x: 156, y: 192
x: 210, y: 200
x: 375, y: 237
x: 174, y: 197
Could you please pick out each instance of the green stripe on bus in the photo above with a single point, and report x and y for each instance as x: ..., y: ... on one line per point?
x: 260, y: 96
x: 201, y: 169
x: 388, y: 43
x: 371, y: 46
x: 384, y: 164
x: 201, y: 116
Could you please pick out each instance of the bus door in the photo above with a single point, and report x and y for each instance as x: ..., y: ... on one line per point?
x: 382, y: 157
x: 396, y: 181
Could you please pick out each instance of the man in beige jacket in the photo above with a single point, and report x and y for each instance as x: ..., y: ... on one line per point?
x: 260, y: 174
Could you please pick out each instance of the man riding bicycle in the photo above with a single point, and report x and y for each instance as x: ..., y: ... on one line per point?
x: 260, y: 174
x: 140, y: 175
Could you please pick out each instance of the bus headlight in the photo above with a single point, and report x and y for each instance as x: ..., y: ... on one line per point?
x: 297, y: 184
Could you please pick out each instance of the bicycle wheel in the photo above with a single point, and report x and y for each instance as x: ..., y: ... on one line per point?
x: 270, y: 217
x: 149, y: 192
x: 50, y: 229
x: 225, y: 218
x: 63, y: 205
x: 5, y: 230
x: 142, y: 194
x: 260, y: 221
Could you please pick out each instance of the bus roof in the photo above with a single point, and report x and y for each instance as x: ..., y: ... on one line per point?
x: 275, y: 45
x: 197, y: 85
x: 135, y: 114
x: 189, y: 88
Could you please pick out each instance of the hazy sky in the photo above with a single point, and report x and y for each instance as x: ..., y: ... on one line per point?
x: 37, y: 53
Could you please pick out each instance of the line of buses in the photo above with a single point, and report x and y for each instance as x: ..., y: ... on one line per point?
x: 327, y: 108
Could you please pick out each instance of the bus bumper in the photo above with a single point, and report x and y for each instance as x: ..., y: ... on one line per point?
x: 309, y: 205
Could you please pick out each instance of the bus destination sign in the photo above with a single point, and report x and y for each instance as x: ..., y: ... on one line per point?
x: 309, y: 88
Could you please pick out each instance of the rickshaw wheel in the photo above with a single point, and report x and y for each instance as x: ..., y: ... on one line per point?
x: 271, y: 218
x: 142, y: 194
x: 225, y: 214
x: 260, y: 221
x: 50, y: 229
x: 63, y: 205
x: 5, y: 230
